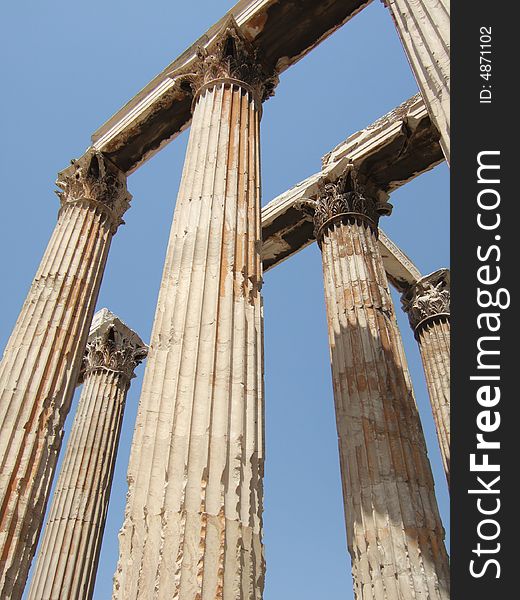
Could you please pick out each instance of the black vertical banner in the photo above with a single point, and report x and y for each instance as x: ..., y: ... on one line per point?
x: 485, y: 238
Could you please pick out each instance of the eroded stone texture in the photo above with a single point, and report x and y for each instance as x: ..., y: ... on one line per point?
x: 42, y: 359
x: 193, y: 519
x: 392, y: 151
x: 283, y: 33
x: 394, y: 532
x: 424, y: 29
x: 427, y: 303
x: 67, y: 561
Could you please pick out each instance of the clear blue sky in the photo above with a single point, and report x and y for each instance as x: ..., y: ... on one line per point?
x: 66, y: 68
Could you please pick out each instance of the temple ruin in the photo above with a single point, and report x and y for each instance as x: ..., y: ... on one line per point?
x: 193, y: 520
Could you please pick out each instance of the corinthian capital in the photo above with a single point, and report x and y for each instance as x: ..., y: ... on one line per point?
x: 228, y: 57
x: 428, y: 298
x: 112, y: 346
x: 95, y: 180
x: 342, y: 199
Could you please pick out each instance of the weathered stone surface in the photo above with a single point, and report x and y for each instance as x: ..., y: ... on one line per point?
x: 43, y: 357
x: 229, y: 57
x: 345, y: 197
x: 394, y: 532
x: 424, y: 29
x: 193, y: 520
x: 427, y: 303
x: 400, y: 270
x: 112, y: 345
x: 94, y: 181
x: 67, y: 561
x: 392, y: 151
x: 282, y: 33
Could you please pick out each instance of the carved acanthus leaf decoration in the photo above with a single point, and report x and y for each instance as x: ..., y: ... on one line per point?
x: 342, y: 198
x: 113, y: 351
x: 230, y: 56
x: 428, y: 297
x: 94, y: 179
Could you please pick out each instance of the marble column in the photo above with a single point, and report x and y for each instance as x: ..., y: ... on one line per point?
x: 394, y: 532
x: 427, y: 303
x: 424, y: 29
x: 67, y: 560
x: 193, y: 521
x: 41, y: 362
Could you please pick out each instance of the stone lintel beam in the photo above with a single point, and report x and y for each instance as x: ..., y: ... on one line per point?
x: 392, y: 151
x: 159, y: 112
x: 400, y: 270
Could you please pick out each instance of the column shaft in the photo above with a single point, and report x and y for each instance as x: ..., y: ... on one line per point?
x: 67, y: 561
x: 39, y: 371
x: 427, y: 303
x: 394, y: 532
x: 434, y: 344
x: 192, y: 527
x: 424, y: 29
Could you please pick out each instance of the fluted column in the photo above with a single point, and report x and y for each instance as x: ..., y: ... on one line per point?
x: 41, y: 362
x: 427, y: 303
x: 394, y: 532
x: 67, y: 560
x: 424, y: 29
x: 193, y: 521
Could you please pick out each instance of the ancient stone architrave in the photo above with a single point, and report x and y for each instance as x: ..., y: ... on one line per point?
x: 394, y: 532
x: 391, y: 152
x: 427, y: 303
x: 193, y: 520
x: 400, y: 270
x: 424, y: 29
x: 43, y: 356
x: 283, y: 32
x: 67, y: 560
